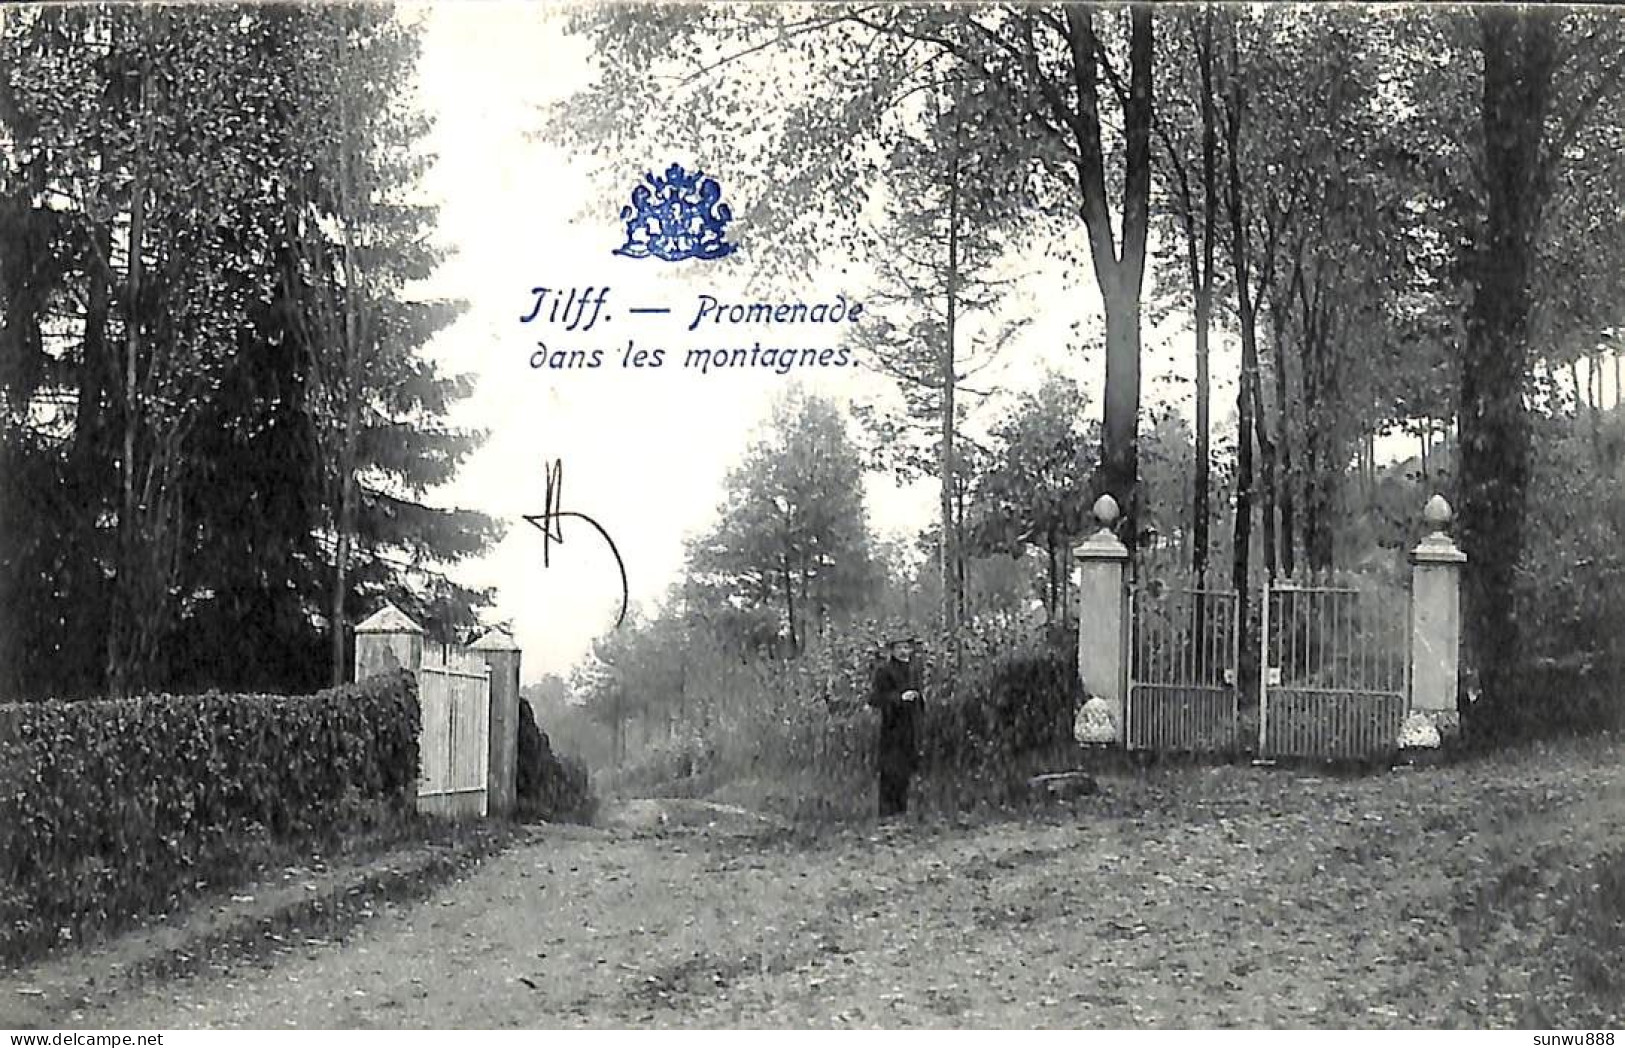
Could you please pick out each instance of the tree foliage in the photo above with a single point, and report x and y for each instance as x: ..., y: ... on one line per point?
x: 1405, y: 220
x: 1071, y: 88
x: 164, y: 405
x: 792, y: 544
x: 1035, y: 492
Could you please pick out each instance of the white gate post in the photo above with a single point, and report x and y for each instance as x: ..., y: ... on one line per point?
x: 501, y: 654
x: 1101, y: 561
x: 1435, y: 632
x: 387, y: 641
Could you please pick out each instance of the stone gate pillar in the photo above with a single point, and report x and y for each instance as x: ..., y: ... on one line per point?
x: 501, y: 654
x: 387, y: 641
x: 1435, y: 631
x: 1101, y: 559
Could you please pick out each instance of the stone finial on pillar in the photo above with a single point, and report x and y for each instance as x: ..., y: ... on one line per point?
x: 387, y: 641
x: 501, y: 654
x: 1436, y: 566
x: 1101, y: 560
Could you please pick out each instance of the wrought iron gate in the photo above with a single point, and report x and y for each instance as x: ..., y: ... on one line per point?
x: 1335, y: 657
x: 1182, y: 694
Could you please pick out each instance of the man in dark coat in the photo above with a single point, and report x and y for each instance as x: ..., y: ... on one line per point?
x: 896, y: 695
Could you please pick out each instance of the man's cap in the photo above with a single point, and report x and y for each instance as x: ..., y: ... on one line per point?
x: 902, y: 638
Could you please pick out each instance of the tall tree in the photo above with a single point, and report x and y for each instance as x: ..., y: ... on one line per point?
x: 1187, y: 126
x: 1316, y: 206
x: 153, y: 123
x: 1056, y: 68
x: 1035, y: 492
x: 357, y: 241
x: 953, y: 193
x: 793, y: 536
x: 143, y: 156
x: 1074, y: 84
x: 1520, y: 58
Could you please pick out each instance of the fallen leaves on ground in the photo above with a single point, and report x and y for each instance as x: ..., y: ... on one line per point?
x: 1179, y: 897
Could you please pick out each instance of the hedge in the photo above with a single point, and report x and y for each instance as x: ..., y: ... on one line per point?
x: 550, y: 786
x: 112, y: 808
x: 1002, y: 710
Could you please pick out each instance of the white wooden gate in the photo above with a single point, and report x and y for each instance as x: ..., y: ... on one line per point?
x: 454, y: 744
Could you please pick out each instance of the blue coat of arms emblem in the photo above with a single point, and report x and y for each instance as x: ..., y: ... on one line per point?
x: 678, y: 216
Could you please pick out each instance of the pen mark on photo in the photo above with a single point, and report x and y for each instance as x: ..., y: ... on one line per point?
x: 551, y: 523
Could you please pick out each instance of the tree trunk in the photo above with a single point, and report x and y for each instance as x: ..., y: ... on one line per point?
x: 1367, y: 463
x: 1241, y: 542
x: 1241, y: 548
x: 94, y: 362
x: 949, y: 554
x: 1242, y: 526
x: 1284, y: 477
x: 959, y: 552
x: 682, y: 692
x: 1203, y: 283
x: 1118, y: 274
x: 790, y: 605
x: 1119, y: 471
x: 345, y: 528
x: 1051, y: 588
x: 356, y: 353
x: 1594, y: 388
x: 1241, y: 545
x: 1319, y: 420
x: 1494, y: 443
x: 83, y: 580
x: 1619, y: 397
x: 158, y: 550
x: 1204, y: 454
x: 1067, y: 597
x: 1267, y: 479
x: 121, y: 671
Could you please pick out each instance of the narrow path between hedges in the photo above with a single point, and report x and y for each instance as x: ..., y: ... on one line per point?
x: 1182, y: 897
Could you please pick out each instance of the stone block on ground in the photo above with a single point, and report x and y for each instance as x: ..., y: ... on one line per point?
x: 1063, y: 786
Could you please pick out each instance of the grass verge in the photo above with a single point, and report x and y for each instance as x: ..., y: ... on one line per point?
x: 316, y: 899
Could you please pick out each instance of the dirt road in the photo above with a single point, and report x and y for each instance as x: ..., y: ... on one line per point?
x: 1185, y: 897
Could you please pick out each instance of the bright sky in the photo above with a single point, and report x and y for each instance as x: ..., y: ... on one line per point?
x: 645, y: 453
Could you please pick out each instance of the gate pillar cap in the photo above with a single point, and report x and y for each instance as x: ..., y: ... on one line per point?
x: 1103, y: 545
x: 1437, y: 547
x: 389, y: 619
x: 495, y: 640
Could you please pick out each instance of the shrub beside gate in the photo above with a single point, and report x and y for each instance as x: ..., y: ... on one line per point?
x: 112, y: 808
